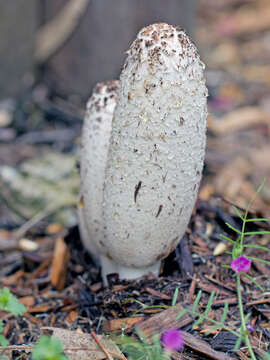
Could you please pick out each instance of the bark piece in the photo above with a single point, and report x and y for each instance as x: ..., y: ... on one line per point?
x: 59, y: 265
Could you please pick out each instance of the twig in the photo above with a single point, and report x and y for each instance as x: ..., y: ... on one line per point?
x: 41, y: 216
x: 33, y: 221
x: 109, y: 357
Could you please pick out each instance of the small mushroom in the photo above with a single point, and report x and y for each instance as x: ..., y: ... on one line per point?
x: 155, y: 156
x: 96, y: 134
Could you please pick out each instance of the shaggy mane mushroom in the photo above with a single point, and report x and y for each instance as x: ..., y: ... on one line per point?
x: 155, y: 154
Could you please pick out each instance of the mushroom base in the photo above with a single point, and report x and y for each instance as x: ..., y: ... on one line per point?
x: 109, y: 267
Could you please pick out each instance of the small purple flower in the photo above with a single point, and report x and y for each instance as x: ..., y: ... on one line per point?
x: 172, y: 339
x: 241, y: 264
x: 250, y: 327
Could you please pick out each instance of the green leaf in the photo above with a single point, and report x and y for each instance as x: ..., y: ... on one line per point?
x: 261, y: 186
x: 238, y: 343
x: 136, y: 301
x: 257, y: 220
x: 203, y: 316
x: 182, y: 313
x: 196, y: 302
x: 141, y: 335
x: 175, y: 296
x: 198, y: 322
x: 254, y: 281
x: 233, y: 228
x: 247, y: 316
x: 3, y: 341
x: 254, y: 197
x: 209, y: 304
x: 225, y: 311
x: 9, y: 303
x: 256, y: 233
x: 227, y: 238
x: 48, y: 348
x: 237, y: 211
x: 256, y: 247
x: 134, y: 348
x: 212, y: 329
x: 258, y: 259
x: 226, y: 266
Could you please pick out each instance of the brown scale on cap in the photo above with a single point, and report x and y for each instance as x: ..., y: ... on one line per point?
x: 155, y: 43
x: 97, y: 102
x: 107, y: 87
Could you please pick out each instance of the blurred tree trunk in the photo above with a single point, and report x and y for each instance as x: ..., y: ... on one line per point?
x: 17, y: 39
x: 96, y: 50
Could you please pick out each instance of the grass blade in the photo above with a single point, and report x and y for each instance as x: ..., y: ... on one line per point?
x: 198, y: 322
x: 212, y: 329
x: 196, y: 302
x: 225, y: 311
x: 238, y: 343
x: 253, y: 198
x: 182, y: 313
x: 261, y: 186
x: 175, y: 297
x: 209, y: 304
x: 247, y: 316
x: 226, y: 266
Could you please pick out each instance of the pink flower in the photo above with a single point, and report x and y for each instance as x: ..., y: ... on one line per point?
x: 241, y: 264
x: 172, y: 339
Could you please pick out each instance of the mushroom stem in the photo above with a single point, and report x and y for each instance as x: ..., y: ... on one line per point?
x: 110, y: 267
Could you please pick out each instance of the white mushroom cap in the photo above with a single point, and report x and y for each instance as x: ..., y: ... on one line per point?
x: 156, y: 152
x: 96, y: 133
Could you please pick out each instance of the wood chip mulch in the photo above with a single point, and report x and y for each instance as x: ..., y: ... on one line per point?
x: 62, y: 288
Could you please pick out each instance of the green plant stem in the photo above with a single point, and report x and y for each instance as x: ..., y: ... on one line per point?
x: 242, y: 317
